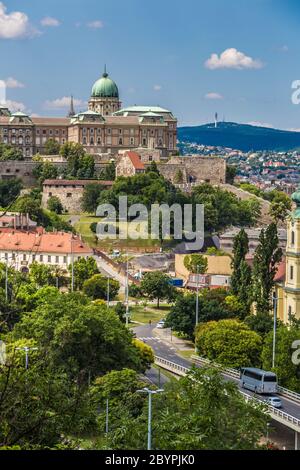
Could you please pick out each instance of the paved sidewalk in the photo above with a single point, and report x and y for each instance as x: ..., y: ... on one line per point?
x: 178, y: 343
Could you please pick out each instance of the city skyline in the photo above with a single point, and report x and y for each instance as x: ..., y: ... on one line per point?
x: 208, y: 61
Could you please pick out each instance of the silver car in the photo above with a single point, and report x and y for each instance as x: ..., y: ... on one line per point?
x: 274, y: 401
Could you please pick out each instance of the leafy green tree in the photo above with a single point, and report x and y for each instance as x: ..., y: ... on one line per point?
x: 146, y: 353
x: 9, y: 191
x: 260, y: 323
x: 182, y: 316
x: 178, y: 178
x: 9, y: 152
x: 156, y: 285
x: 109, y: 172
x: 41, y: 274
x: 37, y: 406
x: 96, y: 287
x: 120, y: 310
x: 52, y: 147
x: 281, y: 205
x: 83, y: 269
x: 287, y: 370
x: 195, y: 263
x: 54, y: 205
x: 199, y: 411
x: 266, y: 258
x: 241, y: 271
x: 81, y: 338
x: 231, y: 171
x: 27, y: 205
x: 152, y: 168
x: 230, y: 343
x: 86, y: 167
x: 91, y: 194
x: 43, y: 171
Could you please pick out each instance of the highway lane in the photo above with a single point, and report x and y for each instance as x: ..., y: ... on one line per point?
x: 162, y: 349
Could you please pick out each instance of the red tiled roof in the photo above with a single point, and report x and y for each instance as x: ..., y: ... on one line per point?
x: 42, y: 242
x: 59, y: 182
x: 280, y: 275
x: 135, y: 160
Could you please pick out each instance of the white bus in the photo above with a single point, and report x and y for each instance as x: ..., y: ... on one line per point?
x: 258, y: 380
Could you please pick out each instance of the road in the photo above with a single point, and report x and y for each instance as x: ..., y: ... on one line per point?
x: 162, y: 349
x: 107, y: 270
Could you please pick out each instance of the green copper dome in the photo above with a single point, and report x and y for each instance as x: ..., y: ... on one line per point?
x: 105, y: 87
x: 296, y: 198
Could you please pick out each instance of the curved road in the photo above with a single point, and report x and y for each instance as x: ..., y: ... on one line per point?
x: 164, y: 350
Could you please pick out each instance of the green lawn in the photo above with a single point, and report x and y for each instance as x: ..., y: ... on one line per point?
x: 142, y: 314
x: 83, y: 228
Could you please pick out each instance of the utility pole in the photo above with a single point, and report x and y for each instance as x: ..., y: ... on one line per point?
x: 275, y: 300
x: 149, y: 433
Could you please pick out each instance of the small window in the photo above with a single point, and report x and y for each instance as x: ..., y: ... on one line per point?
x: 49, y: 259
x: 65, y: 259
x: 24, y: 257
x: 293, y: 238
x: 41, y: 258
x: 291, y: 273
x: 69, y: 194
x: 57, y: 259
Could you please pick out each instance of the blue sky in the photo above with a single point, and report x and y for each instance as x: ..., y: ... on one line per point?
x: 158, y: 52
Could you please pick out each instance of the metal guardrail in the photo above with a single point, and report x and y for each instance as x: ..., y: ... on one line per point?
x: 275, y: 413
x: 234, y: 373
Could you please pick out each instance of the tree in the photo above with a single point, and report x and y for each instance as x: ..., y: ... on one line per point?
x: 195, y: 263
x: 178, y: 178
x: 182, y: 315
x: 211, y: 306
x: 146, y: 353
x: 52, y: 147
x: 231, y: 171
x: 156, y: 285
x: 86, y: 167
x: 266, y: 258
x: 230, y: 343
x: 287, y: 370
x: 199, y: 411
x: 81, y: 338
x: 54, y: 205
x: 152, y: 168
x: 44, y: 171
x: 9, y: 191
x: 9, y: 152
x: 281, y: 205
x: 91, y: 194
x: 28, y: 205
x: 109, y: 172
x: 241, y: 271
x: 260, y: 323
x: 41, y: 274
x: 96, y: 287
x: 83, y: 270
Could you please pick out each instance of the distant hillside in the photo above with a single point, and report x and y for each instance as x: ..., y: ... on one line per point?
x: 240, y: 136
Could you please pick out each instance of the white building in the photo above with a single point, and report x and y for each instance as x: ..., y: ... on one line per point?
x: 19, y: 249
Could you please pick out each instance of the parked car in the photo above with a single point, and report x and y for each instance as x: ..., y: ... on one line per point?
x: 274, y: 401
x: 160, y: 324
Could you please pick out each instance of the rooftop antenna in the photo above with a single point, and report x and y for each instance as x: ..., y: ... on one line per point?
x: 216, y: 120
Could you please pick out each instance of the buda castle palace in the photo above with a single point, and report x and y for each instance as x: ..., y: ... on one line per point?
x: 105, y: 128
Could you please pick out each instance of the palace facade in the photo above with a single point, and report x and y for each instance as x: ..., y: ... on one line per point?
x: 104, y: 128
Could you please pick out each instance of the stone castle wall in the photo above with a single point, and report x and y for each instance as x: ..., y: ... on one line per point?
x: 195, y: 169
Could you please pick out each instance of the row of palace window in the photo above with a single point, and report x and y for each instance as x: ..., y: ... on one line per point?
x: 15, y: 131
x: 35, y: 257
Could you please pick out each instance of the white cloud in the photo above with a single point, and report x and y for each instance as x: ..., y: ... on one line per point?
x: 213, y: 96
x: 63, y: 102
x: 97, y: 24
x: 260, y: 124
x: 49, y: 21
x: 11, y: 82
x: 15, y: 105
x: 157, y: 87
x: 15, y: 24
x: 232, y: 59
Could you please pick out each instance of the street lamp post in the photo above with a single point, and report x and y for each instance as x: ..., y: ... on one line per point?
x: 197, y: 300
x: 275, y: 300
x: 150, y: 393
x: 108, y: 292
x: 126, y: 294
x: 26, y: 349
